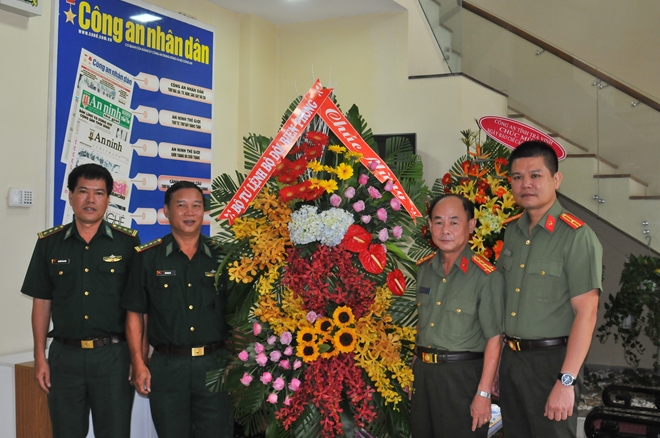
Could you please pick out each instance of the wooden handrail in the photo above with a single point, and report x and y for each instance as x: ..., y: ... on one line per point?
x: 562, y: 55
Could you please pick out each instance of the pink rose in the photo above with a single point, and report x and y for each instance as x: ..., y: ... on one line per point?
x: 287, y: 401
x: 261, y: 359
x: 362, y: 179
x: 297, y: 364
x: 383, y: 235
x: 294, y: 385
x: 266, y: 378
x: 288, y: 351
x: 246, y: 379
x: 366, y: 219
x: 373, y: 165
x: 256, y: 329
x: 286, y: 338
x: 275, y: 355
x: 397, y: 231
x: 243, y: 355
x: 284, y: 363
x: 335, y: 200
x: 388, y: 185
x: 395, y: 204
x: 381, y: 213
x: 278, y: 384
x: 272, y: 339
x: 374, y: 193
x: 258, y: 348
x: 311, y: 317
x: 272, y: 398
x: 358, y: 206
x: 349, y: 193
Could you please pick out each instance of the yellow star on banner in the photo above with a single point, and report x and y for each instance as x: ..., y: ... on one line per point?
x: 69, y: 16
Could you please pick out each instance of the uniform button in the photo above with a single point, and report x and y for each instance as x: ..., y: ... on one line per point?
x: 192, y: 329
x: 528, y: 242
x: 189, y: 285
x: 112, y: 271
x: 522, y: 265
x: 190, y: 307
x: 542, y: 272
x: 419, y: 304
x: 86, y: 317
x: 86, y: 269
x: 513, y: 313
x: 458, y: 310
x: 86, y: 293
x: 165, y: 285
x: 444, y: 280
x: 432, y: 324
x: 61, y: 272
x: 517, y: 289
x: 438, y: 303
x: 87, y: 247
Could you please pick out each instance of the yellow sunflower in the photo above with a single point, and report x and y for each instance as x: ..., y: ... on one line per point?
x: 308, y: 352
x: 332, y: 351
x: 306, y: 335
x: 345, y: 340
x: 343, y: 316
x: 324, y: 325
x: 344, y: 171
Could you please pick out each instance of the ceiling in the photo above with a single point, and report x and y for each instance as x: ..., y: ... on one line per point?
x: 282, y: 12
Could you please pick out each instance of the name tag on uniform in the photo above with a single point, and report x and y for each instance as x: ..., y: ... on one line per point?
x: 112, y: 258
x: 160, y: 273
x: 60, y: 261
x: 210, y: 274
x: 425, y: 290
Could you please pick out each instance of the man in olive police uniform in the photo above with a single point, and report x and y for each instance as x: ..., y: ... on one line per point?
x: 460, y: 305
x: 77, y: 275
x: 552, y: 266
x: 173, y: 284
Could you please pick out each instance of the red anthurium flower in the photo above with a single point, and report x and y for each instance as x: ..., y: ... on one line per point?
x: 396, y: 282
x: 446, y: 180
x: 373, y: 259
x: 356, y: 239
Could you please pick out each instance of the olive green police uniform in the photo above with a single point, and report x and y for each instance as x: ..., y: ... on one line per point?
x: 458, y: 313
x: 185, y: 312
x: 559, y: 260
x: 85, y: 282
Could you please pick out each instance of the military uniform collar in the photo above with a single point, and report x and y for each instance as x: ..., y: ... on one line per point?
x: 173, y: 246
x: 104, y: 230
x: 462, y: 262
x: 548, y: 222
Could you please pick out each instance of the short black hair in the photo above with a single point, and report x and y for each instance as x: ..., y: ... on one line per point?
x: 90, y: 171
x: 181, y: 185
x: 468, y: 205
x: 536, y: 148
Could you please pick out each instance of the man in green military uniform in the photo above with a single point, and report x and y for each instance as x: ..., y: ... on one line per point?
x: 552, y: 266
x: 77, y: 275
x: 173, y: 283
x: 460, y: 305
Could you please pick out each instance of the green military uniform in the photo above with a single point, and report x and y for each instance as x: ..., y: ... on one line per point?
x: 457, y: 313
x: 185, y: 310
x: 559, y: 260
x: 85, y: 282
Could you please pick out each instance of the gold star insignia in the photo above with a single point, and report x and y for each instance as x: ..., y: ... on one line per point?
x: 69, y: 16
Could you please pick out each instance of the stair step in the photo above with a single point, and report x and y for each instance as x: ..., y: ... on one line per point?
x: 623, y: 175
x: 602, y: 160
x: 542, y: 127
x: 644, y: 198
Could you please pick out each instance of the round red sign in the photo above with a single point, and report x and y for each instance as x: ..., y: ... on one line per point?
x: 511, y: 133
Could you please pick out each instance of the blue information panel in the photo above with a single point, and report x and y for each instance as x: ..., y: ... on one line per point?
x: 133, y: 91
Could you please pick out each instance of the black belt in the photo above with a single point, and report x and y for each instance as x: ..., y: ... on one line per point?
x: 517, y: 344
x: 92, y: 343
x: 189, y: 351
x: 432, y: 355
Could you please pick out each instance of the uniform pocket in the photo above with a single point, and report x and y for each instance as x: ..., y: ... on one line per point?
x: 545, y: 280
x: 459, y: 316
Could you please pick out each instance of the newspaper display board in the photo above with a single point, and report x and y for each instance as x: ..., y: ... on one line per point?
x: 133, y: 92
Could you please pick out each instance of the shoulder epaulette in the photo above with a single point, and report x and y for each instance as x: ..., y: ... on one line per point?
x: 148, y: 245
x: 484, y: 264
x: 424, y: 259
x: 124, y: 230
x: 571, y: 220
x: 50, y: 231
